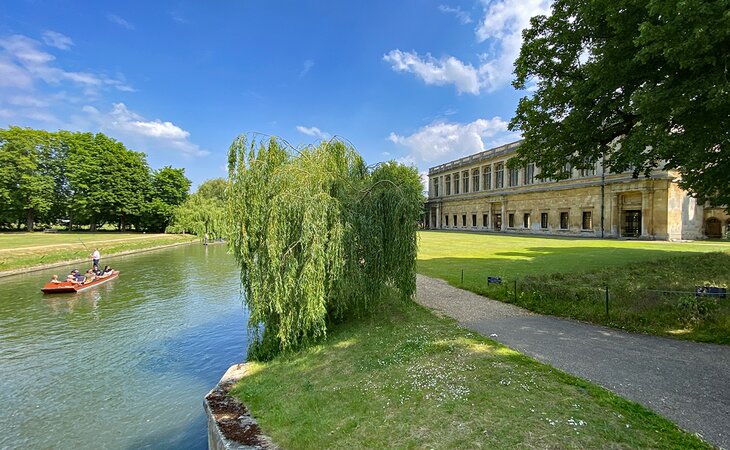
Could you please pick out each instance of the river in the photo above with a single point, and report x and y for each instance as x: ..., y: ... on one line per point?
x: 124, y: 365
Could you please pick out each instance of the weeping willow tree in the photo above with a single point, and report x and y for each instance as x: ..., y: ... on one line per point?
x: 319, y: 237
x: 200, y: 215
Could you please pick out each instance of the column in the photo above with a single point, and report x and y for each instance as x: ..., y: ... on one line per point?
x: 615, y: 215
x: 645, y: 213
x: 504, y: 214
x: 438, y: 217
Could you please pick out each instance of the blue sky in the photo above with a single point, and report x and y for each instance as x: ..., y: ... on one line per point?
x: 422, y: 82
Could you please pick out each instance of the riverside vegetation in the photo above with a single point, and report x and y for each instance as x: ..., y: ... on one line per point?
x: 651, y: 284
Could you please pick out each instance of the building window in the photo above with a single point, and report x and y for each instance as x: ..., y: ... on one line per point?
x: 526, y: 220
x: 474, y: 220
x: 448, y: 184
x: 544, y: 220
x: 447, y: 221
x: 456, y: 183
x: 498, y: 221
x: 487, y: 178
x: 568, y: 170
x: 435, y: 187
x: 455, y: 222
x: 463, y: 220
x: 514, y: 175
x: 499, y: 175
x: 588, y: 172
x: 510, y: 220
x: 530, y: 173
x: 475, y: 180
x: 465, y: 180
x: 587, y: 220
x: 485, y: 220
x: 564, y: 220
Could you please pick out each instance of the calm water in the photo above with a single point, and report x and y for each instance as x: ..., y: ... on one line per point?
x: 124, y: 365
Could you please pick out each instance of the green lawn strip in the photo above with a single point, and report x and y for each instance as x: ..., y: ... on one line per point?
x: 408, y: 379
x: 31, y: 251
x: 566, y: 277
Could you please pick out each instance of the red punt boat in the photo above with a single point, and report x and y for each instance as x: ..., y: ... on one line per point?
x: 67, y: 286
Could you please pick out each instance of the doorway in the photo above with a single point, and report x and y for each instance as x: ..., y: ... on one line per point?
x: 713, y: 228
x: 632, y: 223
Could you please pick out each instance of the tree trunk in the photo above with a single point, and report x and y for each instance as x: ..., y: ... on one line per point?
x: 29, y: 220
x: 93, y: 224
x: 121, y: 223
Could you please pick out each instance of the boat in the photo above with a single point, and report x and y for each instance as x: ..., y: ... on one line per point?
x: 67, y: 286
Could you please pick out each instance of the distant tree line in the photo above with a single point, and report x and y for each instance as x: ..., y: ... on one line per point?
x: 204, y: 212
x: 83, y: 179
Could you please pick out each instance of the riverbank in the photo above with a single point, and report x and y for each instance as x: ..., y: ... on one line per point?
x: 28, y: 252
x: 405, y: 378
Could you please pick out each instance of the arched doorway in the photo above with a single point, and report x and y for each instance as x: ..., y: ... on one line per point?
x: 713, y: 227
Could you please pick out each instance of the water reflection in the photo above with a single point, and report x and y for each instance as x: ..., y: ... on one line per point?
x: 123, y: 365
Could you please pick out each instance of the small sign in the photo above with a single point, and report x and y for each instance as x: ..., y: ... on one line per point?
x: 495, y: 280
x: 710, y: 291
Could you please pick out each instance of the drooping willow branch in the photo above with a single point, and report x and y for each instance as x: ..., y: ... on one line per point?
x: 318, y: 235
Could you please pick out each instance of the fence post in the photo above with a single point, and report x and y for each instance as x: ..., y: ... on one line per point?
x: 462, y: 276
x: 515, y: 291
x: 607, y: 315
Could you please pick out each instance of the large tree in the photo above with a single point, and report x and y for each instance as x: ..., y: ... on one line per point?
x: 639, y: 84
x: 169, y: 190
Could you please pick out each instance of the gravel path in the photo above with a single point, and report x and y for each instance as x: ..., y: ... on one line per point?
x: 687, y: 382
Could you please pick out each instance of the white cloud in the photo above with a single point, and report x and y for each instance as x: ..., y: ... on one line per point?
x: 308, y: 64
x: 58, y: 40
x: 113, y: 18
x: 463, y: 16
x: 442, y: 141
x: 448, y: 70
x: 149, y: 133
x: 313, y: 131
x: 501, y: 29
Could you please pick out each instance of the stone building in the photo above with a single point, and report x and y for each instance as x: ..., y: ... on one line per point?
x: 478, y: 192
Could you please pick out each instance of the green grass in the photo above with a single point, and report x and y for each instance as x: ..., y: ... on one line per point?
x: 564, y: 277
x: 408, y: 379
x: 21, y: 250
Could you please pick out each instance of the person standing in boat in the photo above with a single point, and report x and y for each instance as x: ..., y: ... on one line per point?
x: 95, y: 257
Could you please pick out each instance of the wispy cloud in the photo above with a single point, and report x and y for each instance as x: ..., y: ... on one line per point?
x: 58, y: 40
x: 307, y: 66
x: 463, y: 16
x: 178, y: 17
x: 500, y: 28
x: 313, y: 131
x: 441, y: 141
x: 150, y: 133
x: 439, y: 72
x: 113, y: 18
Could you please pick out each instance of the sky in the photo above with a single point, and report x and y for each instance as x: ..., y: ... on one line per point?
x: 417, y: 81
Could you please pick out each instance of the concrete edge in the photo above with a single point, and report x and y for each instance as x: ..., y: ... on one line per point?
x: 242, y: 420
x: 8, y: 273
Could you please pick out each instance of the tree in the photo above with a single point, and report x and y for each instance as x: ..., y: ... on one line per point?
x: 169, y: 189
x: 318, y: 237
x: 214, y: 188
x: 26, y: 178
x: 641, y: 84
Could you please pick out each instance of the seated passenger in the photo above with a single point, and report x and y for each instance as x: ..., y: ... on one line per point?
x: 55, y: 279
x: 90, y: 276
x: 107, y: 271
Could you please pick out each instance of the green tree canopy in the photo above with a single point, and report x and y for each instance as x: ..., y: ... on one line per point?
x: 643, y: 84
x: 318, y: 236
x: 169, y: 190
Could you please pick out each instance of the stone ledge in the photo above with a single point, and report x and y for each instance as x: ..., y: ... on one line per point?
x: 230, y: 425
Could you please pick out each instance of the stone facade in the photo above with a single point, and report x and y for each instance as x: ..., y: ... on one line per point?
x: 479, y: 192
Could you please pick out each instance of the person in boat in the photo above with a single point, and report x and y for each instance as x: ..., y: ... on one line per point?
x: 54, y: 279
x: 71, y: 278
x: 78, y: 277
x: 107, y: 271
x: 95, y: 257
x: 90, y: 276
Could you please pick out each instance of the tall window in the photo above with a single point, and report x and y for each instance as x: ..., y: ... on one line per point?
x: 564, y: 220
x: 465, y: 180
x: 463, y: 220
x: 511, y: 220
x: 475, y: 180
x: 530, y: 173
x: 487, y: 178
x: 568, y: 170
x: 436, y: 187
x: 448, y: 186
x: 485, y: 220
x: 498, y: 221
x: 514, y: 175
x: 474, y: 220
x: 499, y: 175
x: 455, y: 222
x: 588, y: 172
x: 447, y: 220
x: 544, y: 220
x: 526, y: 220
x: 587, y: 220
x: 456, y: 183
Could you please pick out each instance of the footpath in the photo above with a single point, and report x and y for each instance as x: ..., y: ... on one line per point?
x: 687, y: 382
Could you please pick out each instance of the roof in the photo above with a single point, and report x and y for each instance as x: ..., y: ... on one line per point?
x: 476, y: 157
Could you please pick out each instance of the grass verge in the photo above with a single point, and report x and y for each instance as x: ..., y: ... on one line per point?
x: 409, y: 379
x: 650, y: 284
x: 25, y: 250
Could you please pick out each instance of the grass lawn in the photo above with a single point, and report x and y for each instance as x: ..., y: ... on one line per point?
x: 20, y: 250
x: 408, y: 379
x: 565, y: 277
